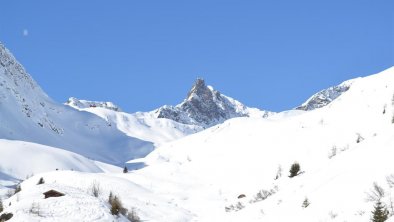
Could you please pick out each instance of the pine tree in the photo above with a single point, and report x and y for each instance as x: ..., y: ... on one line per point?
x: 18, y: 189
x: 41, y: 181
x: 1, y: 206
x: 125, y: 170
x: 294, y: 169
x: 110, y: 197
x: 306, y: 203
x: 380, y: 213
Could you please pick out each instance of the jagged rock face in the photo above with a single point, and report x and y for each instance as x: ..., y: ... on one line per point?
x: 204, y: 106
x: 325, y: 97
x: 82, y: 104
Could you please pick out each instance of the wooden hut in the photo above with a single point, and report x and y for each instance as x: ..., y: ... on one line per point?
x: 53, y: 193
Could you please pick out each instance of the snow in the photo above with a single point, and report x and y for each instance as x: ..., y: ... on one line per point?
x: 23, y: 159
x: 81, y: 104
x: 343, y: 148
x: 144, y: 125
x: 79, y: 204
x: 169, y: 123
x: 76, y: 205
x: 28, y: 114
x: 325, y: 97
x: 242, y: 155
x: 207, y: 107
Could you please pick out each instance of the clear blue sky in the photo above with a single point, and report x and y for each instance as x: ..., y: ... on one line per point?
x: 143, y: 54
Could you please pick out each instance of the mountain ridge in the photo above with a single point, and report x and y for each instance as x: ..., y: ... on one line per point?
x: 29, y: 114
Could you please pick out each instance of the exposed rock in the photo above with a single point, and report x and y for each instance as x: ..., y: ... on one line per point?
x: 206, y: 107
x: 325, y: 97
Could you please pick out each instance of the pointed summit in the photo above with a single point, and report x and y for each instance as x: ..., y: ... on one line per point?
x: 205, y: 107
x: 200, y: 83
x: 199, y: 88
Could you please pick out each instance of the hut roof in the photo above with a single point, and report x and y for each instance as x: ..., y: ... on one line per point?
x: 53, y: 193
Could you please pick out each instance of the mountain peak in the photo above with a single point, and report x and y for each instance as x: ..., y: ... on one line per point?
x: 200, y: 83
x: 198, y: 89
x: 205, y: 107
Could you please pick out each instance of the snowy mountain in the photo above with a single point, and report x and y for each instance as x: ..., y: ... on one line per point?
x: 142, y: 125
x: 238, y: 170
x: 206, y: 107
x: 28, y: 114
x: 203, y: 107
x: 325, y: 97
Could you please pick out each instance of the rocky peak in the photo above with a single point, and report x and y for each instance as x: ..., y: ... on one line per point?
x: 204, y: 106
x: 199, y: 88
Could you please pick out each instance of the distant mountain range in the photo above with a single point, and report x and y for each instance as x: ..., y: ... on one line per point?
x: 28, y: 114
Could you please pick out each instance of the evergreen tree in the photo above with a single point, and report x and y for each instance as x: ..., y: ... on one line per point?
x: 18, y: 189
x: 125, y: 170
x: 380, y: 213
x: 294, y: 169
x: 306, y: 203
x: 41, y: 181
x: 110, y: 197
x: 1, y: 206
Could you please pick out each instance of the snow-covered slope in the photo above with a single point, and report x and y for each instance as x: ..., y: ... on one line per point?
x: 142, y: 125
x: 79, y: 204
x: 206, y: 107
x: 20, y: 159
x: 343, y: 148
x: 234, y: 171
x: 28, y: 114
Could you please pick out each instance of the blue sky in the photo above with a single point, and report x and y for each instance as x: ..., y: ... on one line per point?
x: 143, y: 54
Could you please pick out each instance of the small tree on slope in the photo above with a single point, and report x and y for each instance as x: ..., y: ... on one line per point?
x: 306, y: 203
x: 116, y: 206
x: 294, y: 169
x: 125, y: 170
x: 1, y: 206
x: 41, y: 181
x: 380, y: 213
x: 18, y: 189
x: 110, y: 197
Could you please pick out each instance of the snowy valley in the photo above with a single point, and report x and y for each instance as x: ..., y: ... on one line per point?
x: 210, y: 158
